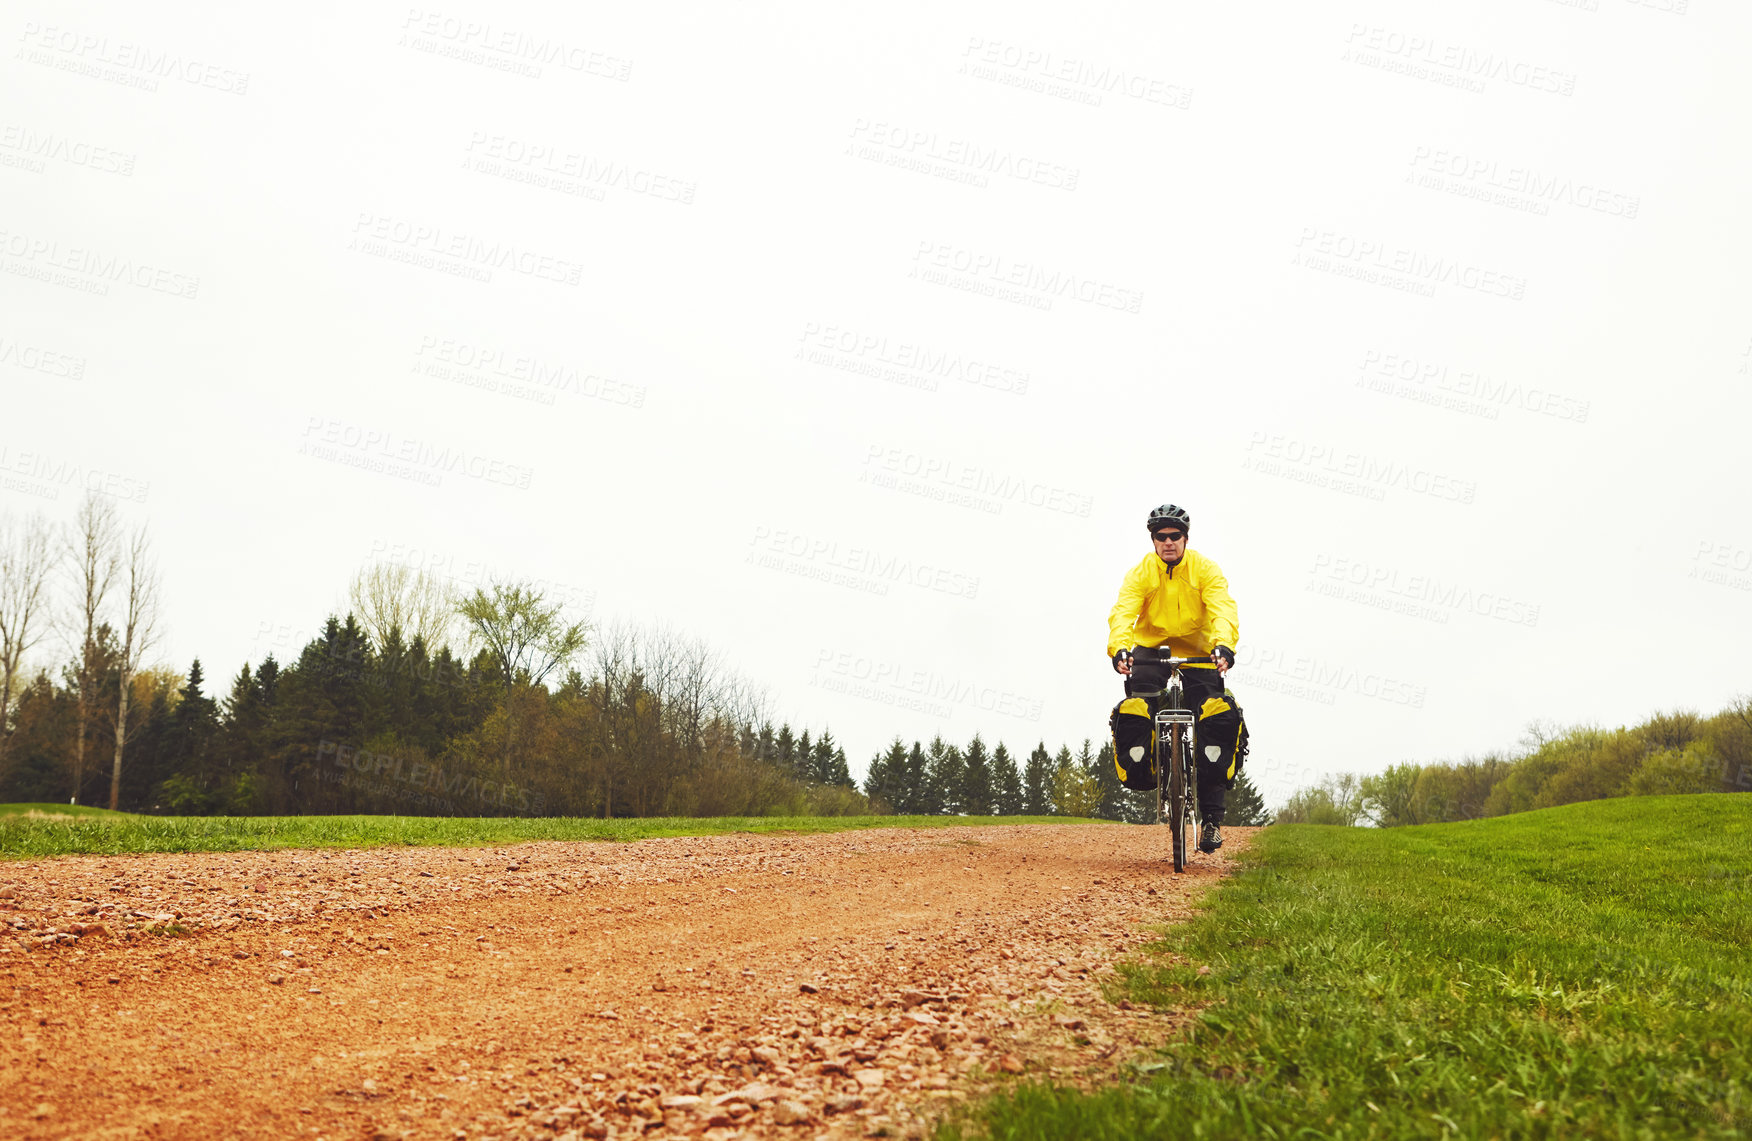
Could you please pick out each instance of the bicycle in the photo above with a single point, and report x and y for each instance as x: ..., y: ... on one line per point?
x: 1177, y: 742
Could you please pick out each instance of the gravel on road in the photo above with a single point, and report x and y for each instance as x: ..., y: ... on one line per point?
x: 848, y: 984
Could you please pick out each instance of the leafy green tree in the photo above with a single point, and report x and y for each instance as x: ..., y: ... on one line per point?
x: 1059, y: 761
x: 527, y: 637
x: 1037, y: 782
x: 1006, y: 783
x: 1335, y: 800
x: 1074, y: 791
x: 1390, y: 797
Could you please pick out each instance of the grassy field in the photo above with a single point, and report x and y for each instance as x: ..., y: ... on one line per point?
x: 29, y: 831
x: 1578, y: 972
x: 57, y: 810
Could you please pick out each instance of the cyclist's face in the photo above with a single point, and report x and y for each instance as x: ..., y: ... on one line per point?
x: 1170, y: 543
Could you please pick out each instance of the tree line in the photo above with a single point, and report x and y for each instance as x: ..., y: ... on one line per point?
x: 1668, y: 754
x: 537, y: 714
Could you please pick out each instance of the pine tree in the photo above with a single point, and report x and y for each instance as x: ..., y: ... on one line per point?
x: 976, y: 779
x: 1117, y: 801
x: 821, y: 766
x: 785, y: 748
x: 766, y: 747
x: 182, y: 765
x: 326, y: 705
x: 840, y: 775
x: 1037, y: 782
x: 885, y: 783
x: 943, y: 779
x: 915, y: 784
x: 804, y: 762
x: 1007, y: 797
x: 1246, y: 808
x: 242, y: 741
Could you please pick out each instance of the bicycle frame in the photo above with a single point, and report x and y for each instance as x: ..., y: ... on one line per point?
x: 1176, y: 730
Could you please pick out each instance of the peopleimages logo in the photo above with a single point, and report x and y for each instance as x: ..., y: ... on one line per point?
x: 865, y: 676
x: 35, y: 358
x: 1270, y: 665
x: 1521, y: 187
x: 931, y: 153
x: 87, y: 53
x: 901, y: 468
x: 1276, y: 454
x: 424, y: 777
x: 89, y: 270
x: 507, y: 49
x: 37, y: 147
x: 1065, y: 77
x: 1394, y: 266
x: 464, y: 255
x: 1377, y: 582
x: 943, y: 263
x: 1425, y: 57
x: 857, y: 567
x: 55, y: 474
x: 375, y: 449
x: 1465, y: 389
x: 903, y: 362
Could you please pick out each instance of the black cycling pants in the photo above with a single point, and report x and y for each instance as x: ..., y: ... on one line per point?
x: 1213, y: 781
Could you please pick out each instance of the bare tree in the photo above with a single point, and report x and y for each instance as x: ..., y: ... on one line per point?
x: 139, y: 627
x: 527, y: 637
x: 388, y: 596
x: 91, y: 550
x: 27, y: 559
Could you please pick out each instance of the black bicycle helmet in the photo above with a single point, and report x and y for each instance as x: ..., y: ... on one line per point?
x: 1169, y: 515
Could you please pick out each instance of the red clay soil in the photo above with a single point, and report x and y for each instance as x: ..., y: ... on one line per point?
x: 845, y: 985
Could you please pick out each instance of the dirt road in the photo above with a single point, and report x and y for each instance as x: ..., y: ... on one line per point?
x: 801, y: 986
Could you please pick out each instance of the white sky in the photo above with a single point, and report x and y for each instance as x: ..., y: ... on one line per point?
x: 1524, y: 220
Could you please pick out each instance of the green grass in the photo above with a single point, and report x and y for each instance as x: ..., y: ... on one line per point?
x: 111, y: 833
x: 1577, y: 972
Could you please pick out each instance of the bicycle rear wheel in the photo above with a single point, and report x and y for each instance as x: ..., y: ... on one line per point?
x: 1179, y: 800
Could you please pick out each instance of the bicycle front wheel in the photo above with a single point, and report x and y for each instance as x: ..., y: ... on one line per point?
x: 1179, y: 800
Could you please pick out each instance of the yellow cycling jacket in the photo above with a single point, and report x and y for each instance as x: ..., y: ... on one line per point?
x: 1186, y: 607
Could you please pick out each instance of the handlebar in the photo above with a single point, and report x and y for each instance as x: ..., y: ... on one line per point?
x: 1149, y: 654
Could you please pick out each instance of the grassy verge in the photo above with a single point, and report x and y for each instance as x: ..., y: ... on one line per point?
x: 1576, y: 972
x: 26, y: 837
x: 57, y: 810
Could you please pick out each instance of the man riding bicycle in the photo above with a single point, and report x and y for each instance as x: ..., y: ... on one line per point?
x: 1177, y: 600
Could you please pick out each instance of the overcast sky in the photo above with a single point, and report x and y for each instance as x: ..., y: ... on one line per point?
x: 861, y: 344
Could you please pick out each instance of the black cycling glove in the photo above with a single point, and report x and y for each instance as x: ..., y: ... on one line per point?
x: 1122, y: 656
x: 1226, y: 654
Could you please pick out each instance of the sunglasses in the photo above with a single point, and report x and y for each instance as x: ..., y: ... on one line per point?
x: 1169, y: 536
